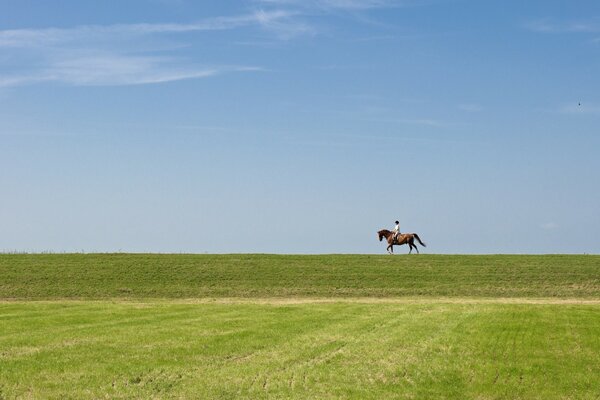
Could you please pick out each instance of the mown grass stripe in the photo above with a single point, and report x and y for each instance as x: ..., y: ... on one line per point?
x: 326, y: 350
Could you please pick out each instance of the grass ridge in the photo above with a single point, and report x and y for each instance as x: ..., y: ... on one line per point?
x: 181, y: 276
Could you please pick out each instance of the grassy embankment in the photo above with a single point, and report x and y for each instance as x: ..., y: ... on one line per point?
x: 127, y: 276
x: 179, y: 326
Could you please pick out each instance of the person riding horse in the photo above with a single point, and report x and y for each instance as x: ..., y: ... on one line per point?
x: 404, y: 238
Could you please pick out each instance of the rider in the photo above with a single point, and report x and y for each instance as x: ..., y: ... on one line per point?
x: 396, y: 231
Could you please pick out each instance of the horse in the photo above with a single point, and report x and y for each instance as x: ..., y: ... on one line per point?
x: 403, y: 238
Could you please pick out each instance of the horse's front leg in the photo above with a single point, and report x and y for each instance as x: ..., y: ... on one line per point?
x: 390, y: 249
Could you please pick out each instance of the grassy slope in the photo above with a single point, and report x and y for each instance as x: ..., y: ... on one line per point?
x: 102, y: 276
x: 343, y: 350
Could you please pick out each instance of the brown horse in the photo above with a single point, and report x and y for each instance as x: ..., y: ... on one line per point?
x: 403, y: 238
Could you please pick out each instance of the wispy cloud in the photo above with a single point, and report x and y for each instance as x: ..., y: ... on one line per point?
x: 422, y: 121
x: 54, y: 36
x: 113, y: 55
x: 554, y: 26
x: 284, y: 25
x: 143, y: 53
x: 581, y: 108
x: 335, y: 4
x: 549, y: 226
x: 117, y: 70
x: 411, y: 121
x: 470, y: 107
x: 307, y: 15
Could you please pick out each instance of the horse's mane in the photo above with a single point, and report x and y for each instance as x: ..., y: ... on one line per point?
x: 383, y: 231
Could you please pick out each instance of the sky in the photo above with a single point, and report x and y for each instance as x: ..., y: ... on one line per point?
x: 288, y: 126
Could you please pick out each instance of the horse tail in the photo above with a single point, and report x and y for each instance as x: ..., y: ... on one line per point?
x: 419, y: 239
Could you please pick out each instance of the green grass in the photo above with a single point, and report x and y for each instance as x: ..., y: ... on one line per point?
x: 296, y: 327
x: 127, y: 276
x: 344, y: 350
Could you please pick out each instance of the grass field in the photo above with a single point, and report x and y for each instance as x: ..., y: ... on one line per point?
x: 129, y: 276
x: 257, y: 326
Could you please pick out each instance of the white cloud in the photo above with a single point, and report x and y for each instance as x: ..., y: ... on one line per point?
x: 581, y: 108
x: 113, y: 55
x: 305, y: 12
x: 339, y: 4
x: 470, y: 107
x: 91, y: 33
x: 411, y: 121
x: 126, y: 54
x: 422, y: 121
x: 115, y: 70
x: 553, y: 26
x: 283, y: 25
x: 549, y: 226
x: 356, y: 4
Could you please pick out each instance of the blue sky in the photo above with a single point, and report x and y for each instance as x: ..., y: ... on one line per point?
x: 287, y: 126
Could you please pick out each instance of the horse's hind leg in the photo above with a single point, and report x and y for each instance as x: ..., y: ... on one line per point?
x: 411, y: 244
